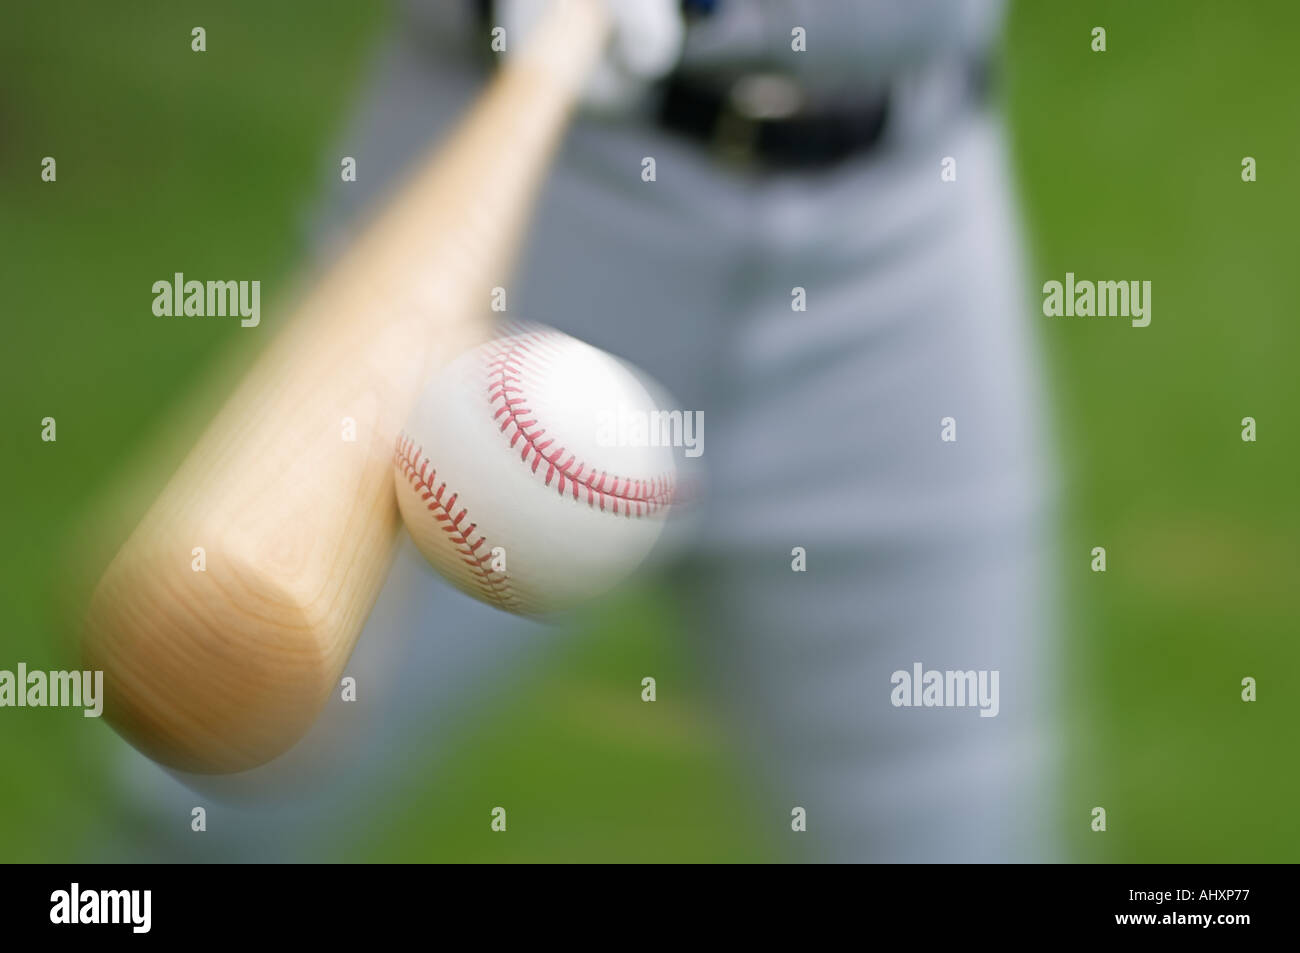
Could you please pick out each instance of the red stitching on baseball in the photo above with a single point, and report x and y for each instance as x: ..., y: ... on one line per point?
x: 420, y: 473
x: 639, y: 497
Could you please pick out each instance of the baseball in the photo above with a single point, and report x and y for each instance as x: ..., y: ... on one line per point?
x: 516, y: 481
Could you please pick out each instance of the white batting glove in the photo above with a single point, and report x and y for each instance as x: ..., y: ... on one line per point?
x: 645, y: 44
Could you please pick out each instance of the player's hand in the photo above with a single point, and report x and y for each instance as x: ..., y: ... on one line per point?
x: 645, y: 44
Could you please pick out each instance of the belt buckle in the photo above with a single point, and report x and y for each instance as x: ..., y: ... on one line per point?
x: 751, y: 101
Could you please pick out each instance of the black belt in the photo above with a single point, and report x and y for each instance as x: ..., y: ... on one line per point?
x: 759, y: 120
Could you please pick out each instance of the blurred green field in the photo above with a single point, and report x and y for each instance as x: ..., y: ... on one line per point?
x: 1129, y: 165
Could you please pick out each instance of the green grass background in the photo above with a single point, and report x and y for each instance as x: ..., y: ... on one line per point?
x: 1129, y: 165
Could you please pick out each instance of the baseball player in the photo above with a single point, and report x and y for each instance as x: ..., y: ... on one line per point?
x: 825, y: 262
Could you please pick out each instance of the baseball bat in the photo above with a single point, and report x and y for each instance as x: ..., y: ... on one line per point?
x: 223, y: 669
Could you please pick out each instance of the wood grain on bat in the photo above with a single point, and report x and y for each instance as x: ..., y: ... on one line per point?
x: 223, y: 670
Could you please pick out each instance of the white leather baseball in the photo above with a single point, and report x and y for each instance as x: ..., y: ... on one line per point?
x: 507, y: 479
